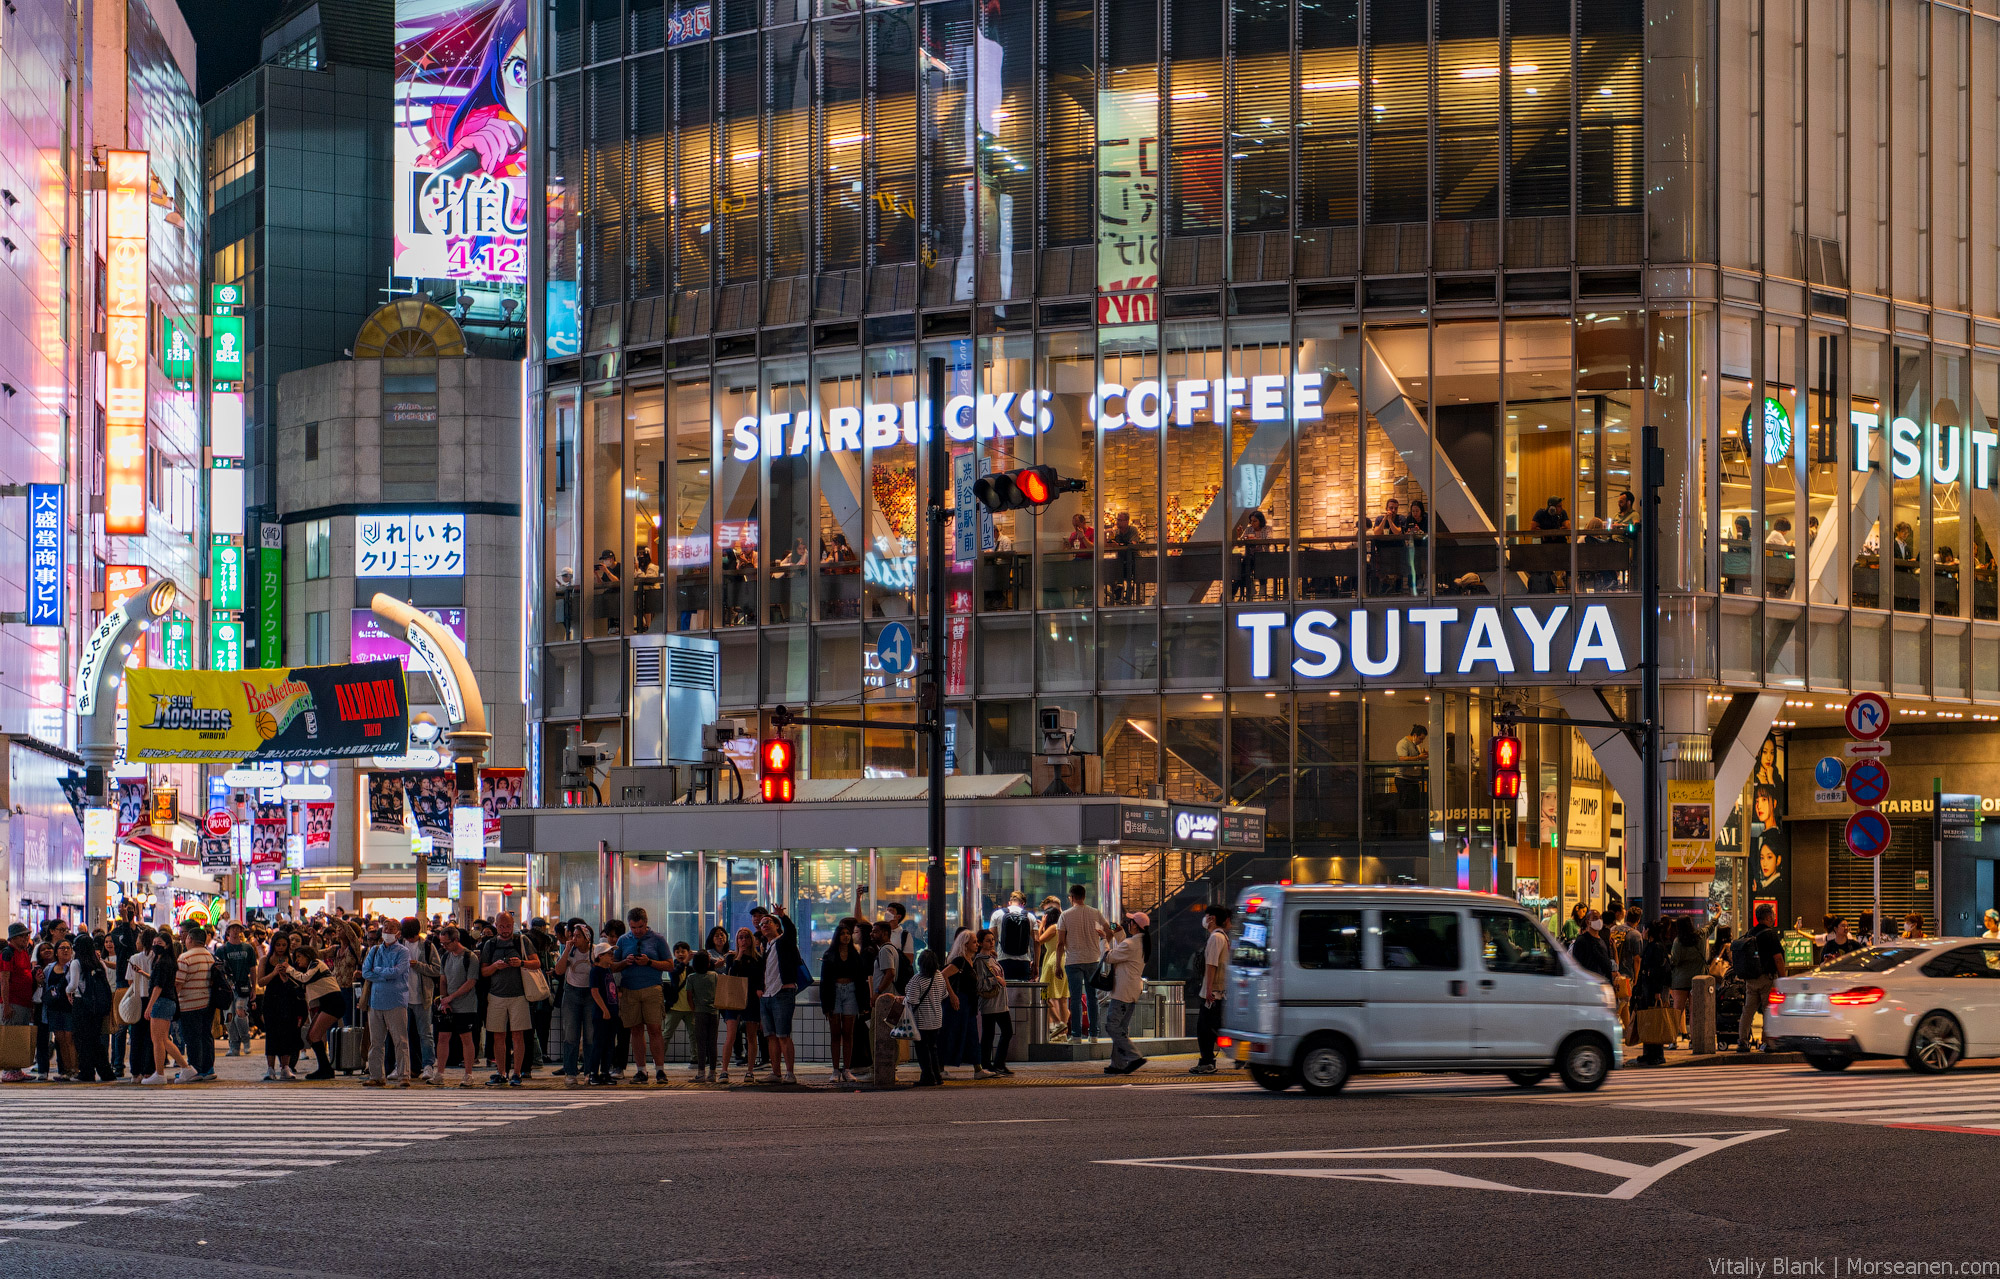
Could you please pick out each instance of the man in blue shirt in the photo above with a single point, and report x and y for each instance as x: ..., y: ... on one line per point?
x: 641, y: 960
x: 386, y: 969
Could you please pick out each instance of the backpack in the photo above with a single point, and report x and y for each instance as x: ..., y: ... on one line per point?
x: 1744, y: 961
x: 991, y: 983
x: 221, y: 991
x: 95, y: 998
x: 904, y: 971
x: 1015, y: 932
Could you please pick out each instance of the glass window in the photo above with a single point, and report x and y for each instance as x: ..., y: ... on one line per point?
x: 737, y: 193
x: 1066, y: 535
x: 1871, y: 452
x: 1468, y: 110
x: 1329, y: 128
x: 1127, y: 162
x: 1538, y: 106
x: 1330, y: 520
x: 1329, y: 938
x: 946, y: 248
x: 788, y: 163
x: 646, y: 110
x: 559, y: 519
x: 564, y: 158
x: 1876, y: 959
x: 1470, y: 462
x: 1260, y: 141
x: 691, y: 195
x: 1399, y: 111
x: 1420, y: 940
x: 1195, y: 194
x: 1947, y: 449
x: 319, y: 638
x: 646, y: 427
x: 1194, y: 747
x: 1823, y: 443
x: 1260, y: 757
x: 1006, y: 132
x: 1610, y: 60
x: 319, y: 549
x: 1909, y: 405
x: 843, y: 137
x: 1985, y: 416
x: 607, y: 511
x: 1328, y: 781
x: 1069, y: 136
x: 891, y: 149
x: 1131, y: 744
x: 738, y: 528
x: 1396, y: 497
x: 1738, y: 501
x: 1966, y: 961
x: 1191, y: 521
x: 690, y: 546
x: 1770, y: 436
x: 1250, y: 934
x: 1511, y: 943
x: 1610, y: 372
x: 888, y: 437
x: 792, y: 439
x: 1257, y: 496
x: 1005, y: 441
x: 1134, y: 406
x: 839, y: 544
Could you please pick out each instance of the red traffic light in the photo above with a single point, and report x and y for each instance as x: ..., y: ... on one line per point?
x: 777, y: 767
x: 1034, y: 486
x: 1506, y: 757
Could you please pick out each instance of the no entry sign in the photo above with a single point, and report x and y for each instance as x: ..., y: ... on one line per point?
x: 1868, y: 783
x: 1867, y: 833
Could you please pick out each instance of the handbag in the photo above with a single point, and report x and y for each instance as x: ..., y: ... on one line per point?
x: 732, y: 993
x: 130, y: 1006
x: 1657, y: 1025
x: 906, y: 1026
x: 534, y: 985
x: 1105, y: 978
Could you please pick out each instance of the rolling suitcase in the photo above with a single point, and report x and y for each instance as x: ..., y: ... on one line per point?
x: 344, y: 1048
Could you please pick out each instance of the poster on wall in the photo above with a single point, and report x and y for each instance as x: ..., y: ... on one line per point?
x: 1770, y: 851
x: 500, y: 790
x: 131, y: 804
x: 461, y: 115
x: 267, y: 848
x: 271, y: 813
x: 1690, y: 829
x: 319, y: 825
x: 385, y: 802
x: 1129, y: 218
x: 430, y: 795
x: 1586, y: 816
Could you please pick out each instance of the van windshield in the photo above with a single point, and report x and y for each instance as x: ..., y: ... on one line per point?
x: 1250, y: 934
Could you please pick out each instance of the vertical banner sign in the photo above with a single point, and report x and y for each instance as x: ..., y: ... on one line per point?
x: 177, y: 353
x: 128, y: 210
x: 225, y: 571
x: 225, y: 348
x: 271, y: 597
x: 1128, y: 202
x: 1690, y: 830
x: 47, y: 572
x: 461, y: 116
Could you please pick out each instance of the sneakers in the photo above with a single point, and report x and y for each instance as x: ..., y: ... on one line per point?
x: 1134, y: 1067
x: 270, y: 1077
x: 1202, y: 1068
x: 660, y: 1076
x: 374, y: 1083
x: 14, y: 1077
x: 572, y: 1081
x: 639, y: 1075
x: 187, y: 1075
x: 724, y: 1077
x: 749, y: 1076
x: 155, y: 1078
x: 496, y: 1080
x: 513, y: 1081
x: 980, y: 1072
x: 792, y: 1079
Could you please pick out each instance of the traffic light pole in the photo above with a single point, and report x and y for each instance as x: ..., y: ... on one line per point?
x: 931, y: 695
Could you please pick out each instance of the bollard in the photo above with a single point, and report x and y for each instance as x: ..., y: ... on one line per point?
x: 1701, y: 1015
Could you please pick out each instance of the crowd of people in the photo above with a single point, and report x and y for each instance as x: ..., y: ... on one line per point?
x: 411, y: 999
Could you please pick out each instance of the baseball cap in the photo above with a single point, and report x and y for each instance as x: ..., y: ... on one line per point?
x: 1140, y: 918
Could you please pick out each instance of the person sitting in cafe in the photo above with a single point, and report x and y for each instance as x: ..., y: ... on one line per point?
x: 1906, y: 541
x: 799, y: 556
x: 842, y: 553
x: 1082, y: 537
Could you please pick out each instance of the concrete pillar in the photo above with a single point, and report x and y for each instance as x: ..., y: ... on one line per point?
x: 1701, y: 1015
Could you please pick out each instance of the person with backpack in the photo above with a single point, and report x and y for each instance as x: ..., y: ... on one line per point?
x: 90, y: 1003
x: 17, y: 986
x: 996, y: 1018
x: 885, y: 1007
x: 1589, y: 949
x: 1013, y: 931
x: 1758, y: 958
x: 202, y: 986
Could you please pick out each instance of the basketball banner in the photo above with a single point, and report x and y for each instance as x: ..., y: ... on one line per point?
x: 281, y: 713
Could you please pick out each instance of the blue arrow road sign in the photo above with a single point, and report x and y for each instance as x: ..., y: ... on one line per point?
x: 1867, y: 783
x: 1828, y: 772
x: 1867, y: 833
x: 895, y: 651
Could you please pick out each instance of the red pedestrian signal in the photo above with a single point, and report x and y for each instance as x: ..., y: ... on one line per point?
x: 1506, y: 768
x: 1034, y: 486
x: 777, y: 769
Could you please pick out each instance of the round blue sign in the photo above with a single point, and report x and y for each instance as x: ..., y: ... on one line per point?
x: 1827, y: 774
x: 1867, y: 833
x: 895, y: 651
x: 1867, y: 783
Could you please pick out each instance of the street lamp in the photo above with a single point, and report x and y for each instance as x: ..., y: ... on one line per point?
x: 98, y: 672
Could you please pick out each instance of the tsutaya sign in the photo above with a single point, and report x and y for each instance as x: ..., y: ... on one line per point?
x: 1480, y: 641
x: 1147, y: 405
x: 1908, y: 451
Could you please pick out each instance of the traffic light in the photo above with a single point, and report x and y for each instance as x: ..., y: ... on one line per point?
x: 777, y: 767
x: 1506, y: 768
x: 1034, y: 486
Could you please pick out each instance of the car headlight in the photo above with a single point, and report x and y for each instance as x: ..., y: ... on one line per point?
x: 1608, y: 996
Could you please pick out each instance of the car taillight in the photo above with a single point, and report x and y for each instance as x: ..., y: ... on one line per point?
x: 1224, y: 1041
x: 1859, y: 995
x: 1775, y: 998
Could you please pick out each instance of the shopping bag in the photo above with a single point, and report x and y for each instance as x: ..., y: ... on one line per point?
x: 1657, y: 1025
x: 732, y: 993
x: 17, y: 1047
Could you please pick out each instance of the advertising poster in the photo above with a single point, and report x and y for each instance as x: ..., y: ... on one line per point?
x: 1690, y: 830
x: 319, y: 825
x: 500, y: 790
x: 131, y: 803
x: 385, y: 802
x: 271, y: 813
x: 431, y: 795
x: 303, y: 713
x: 461, y: 115
x: 1770, y: 851
x: 368, y: 642
x: 267, y: 848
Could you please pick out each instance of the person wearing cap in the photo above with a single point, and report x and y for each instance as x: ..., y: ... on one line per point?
x: 17, y: 986
x: 1127, y: 958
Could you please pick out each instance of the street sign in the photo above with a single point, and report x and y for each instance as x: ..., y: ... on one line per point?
x: 218, y: 823
x: 1867, y: 833
x: 1867, y: 716
x: 1865, y: 750
x: 1867, y: 783
x: 1828, y: 774
x: 895, y: 651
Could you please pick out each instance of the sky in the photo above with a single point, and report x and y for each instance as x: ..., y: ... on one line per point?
x: 226, y: 37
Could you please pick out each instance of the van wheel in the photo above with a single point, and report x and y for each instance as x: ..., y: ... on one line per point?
x: 1324, y: 1067
x: 1526, y: 1078
x: 1828, y: 1062
x: 1271, y: 1078
x: 1937, y: 1044
x: 1583, y: 1062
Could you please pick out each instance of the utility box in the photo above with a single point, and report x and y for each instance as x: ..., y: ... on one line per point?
x: 1068, y: 774
x: 676, y: 687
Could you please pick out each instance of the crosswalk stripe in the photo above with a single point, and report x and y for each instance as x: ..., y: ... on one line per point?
x: 266, y: 1139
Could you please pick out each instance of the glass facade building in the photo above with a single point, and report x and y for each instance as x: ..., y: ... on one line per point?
x: 1350, y: 313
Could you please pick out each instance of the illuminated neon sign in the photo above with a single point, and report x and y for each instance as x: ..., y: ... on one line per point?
x: 128, y: 209
x: 1483, y: 641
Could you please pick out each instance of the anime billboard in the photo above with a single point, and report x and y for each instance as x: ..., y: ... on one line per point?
x: 461, y: 140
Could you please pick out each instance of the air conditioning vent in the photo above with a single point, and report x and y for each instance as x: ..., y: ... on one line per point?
x: 646, y: 668
x: 689, y: 668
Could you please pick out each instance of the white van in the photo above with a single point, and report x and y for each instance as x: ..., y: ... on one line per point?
x: 1325, y: 981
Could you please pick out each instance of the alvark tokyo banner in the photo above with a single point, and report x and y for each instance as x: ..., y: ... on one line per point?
x: 304, y: 712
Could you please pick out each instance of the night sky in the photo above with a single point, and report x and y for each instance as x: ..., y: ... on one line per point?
x: 226, y: 36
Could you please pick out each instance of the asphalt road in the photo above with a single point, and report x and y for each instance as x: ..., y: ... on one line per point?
x: 1405, y: 1176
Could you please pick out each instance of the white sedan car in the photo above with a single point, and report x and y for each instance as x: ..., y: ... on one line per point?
x: 1931, y: 1002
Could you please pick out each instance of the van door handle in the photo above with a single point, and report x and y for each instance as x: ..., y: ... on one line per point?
x: 1486, y: 983
x: 1458, y: 988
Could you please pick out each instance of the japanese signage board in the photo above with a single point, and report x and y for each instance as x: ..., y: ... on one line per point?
x: 271, y: 595
x: 225, y: 424
x: 225, y: 645
x: 409, y: 545
x: 48, y: 568
x: 304, y: 713
x: 461, y: 114
x: 177, y: 351
x: 176, y: 642
x: 225, y: 570
x: 122, y: 582
x: 691, y: 23
x: 128, y: 212
x: 1690, y: 829
x: 225, y: 348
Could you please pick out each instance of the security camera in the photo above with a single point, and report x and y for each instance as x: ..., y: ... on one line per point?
x: 1058, y: 731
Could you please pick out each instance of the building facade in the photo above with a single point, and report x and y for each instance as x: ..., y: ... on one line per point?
x: 1349, y: 313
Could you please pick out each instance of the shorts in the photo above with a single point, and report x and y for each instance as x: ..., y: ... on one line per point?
x: 506, y: 1013
x: 165, y: 1009
x: 642, y: 1006
x: 845, y: 1002
x: 776, y: 1011
x: 461, y: 1023
x: 334, y: 1005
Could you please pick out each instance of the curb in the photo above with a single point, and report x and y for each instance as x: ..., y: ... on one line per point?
x: 1737, y: 1059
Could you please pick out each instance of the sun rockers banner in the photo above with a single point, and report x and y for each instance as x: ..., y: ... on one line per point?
x: 303, y: 712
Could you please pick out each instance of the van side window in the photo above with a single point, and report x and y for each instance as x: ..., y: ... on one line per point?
x: 1329, y: 939
x: 1511, y: 943
x: 1420, y: 939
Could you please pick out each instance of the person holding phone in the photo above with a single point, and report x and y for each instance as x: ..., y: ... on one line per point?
x: 501, y: 959
x: 574, y: 965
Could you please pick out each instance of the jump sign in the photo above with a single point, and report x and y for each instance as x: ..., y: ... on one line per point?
x: 1867, y: 833
x: 1867, y: 716
x: 1867, y: 783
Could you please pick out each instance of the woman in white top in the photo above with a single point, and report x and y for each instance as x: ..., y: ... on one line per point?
x: 1992, y: 924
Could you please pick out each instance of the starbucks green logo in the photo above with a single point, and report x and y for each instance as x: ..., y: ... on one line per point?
x: 1777, y: 431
